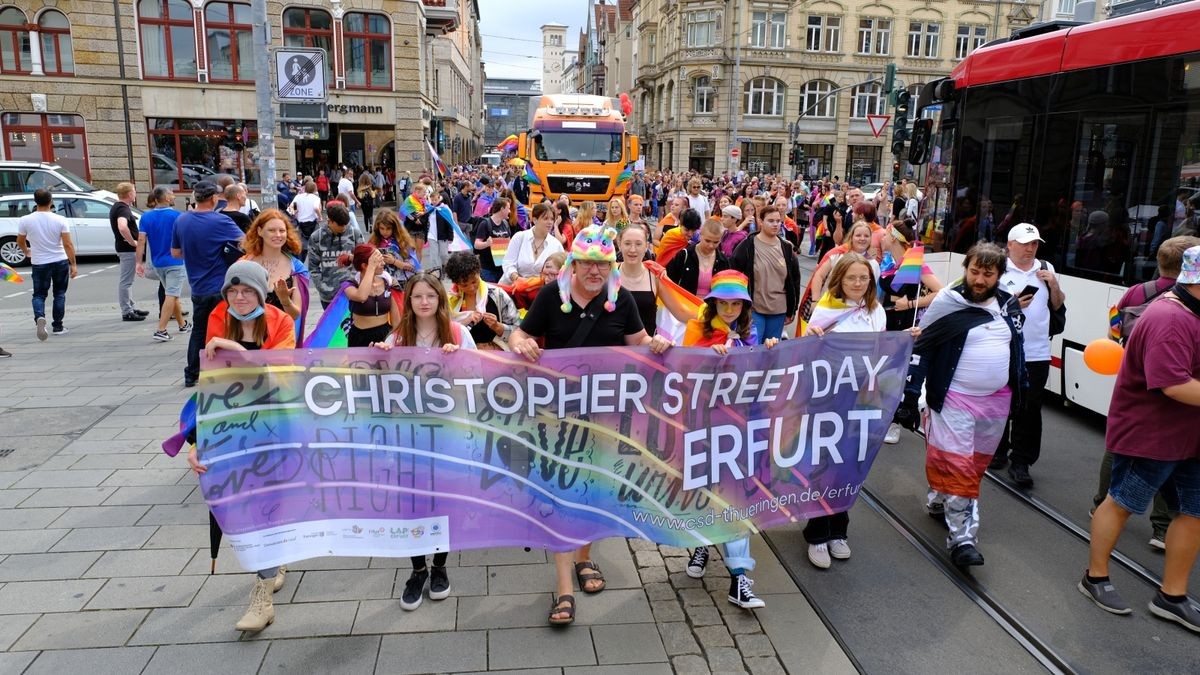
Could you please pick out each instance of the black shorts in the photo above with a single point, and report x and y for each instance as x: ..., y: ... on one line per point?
x: 363, y: 337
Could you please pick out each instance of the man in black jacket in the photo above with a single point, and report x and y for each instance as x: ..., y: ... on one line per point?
x: 971, y: 359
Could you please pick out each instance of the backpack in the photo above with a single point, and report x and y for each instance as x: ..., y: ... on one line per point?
x: 1129, y: 316
x: 1058, y: 317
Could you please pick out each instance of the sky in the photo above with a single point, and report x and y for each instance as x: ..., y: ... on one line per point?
x: 512, y: 40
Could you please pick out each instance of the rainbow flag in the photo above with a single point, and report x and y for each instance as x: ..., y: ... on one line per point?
x: 530, y: 176
x: 499, y: 249
x: 482, y: 205
x: 438, y: 164
x: 9, y: 274
x: 412, y: 207
x: 332, y: 327
x: 509, y: 144
x: 461, y: 242
x: 1114, y: 324
x: 909, y: 271
x: 625, y: 176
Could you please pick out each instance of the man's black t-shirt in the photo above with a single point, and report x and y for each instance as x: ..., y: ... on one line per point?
x: 240, y: 219
x: 545, y: 318
x: 122, y: 210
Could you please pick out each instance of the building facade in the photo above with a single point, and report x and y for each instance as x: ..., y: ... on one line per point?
x: 456, y: 58
x: 508, y: 106
x: 554, y: 62
x: 754, y: 75
x: 163, y: 91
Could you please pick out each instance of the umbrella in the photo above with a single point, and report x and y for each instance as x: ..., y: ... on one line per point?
x: 214, y: 540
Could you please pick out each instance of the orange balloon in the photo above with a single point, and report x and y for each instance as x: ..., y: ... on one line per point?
x: 1104, y: 356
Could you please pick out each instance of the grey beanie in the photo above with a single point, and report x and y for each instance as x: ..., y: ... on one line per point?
x: 247, y: 273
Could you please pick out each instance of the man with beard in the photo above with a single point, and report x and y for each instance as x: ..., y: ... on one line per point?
x: 971, y: 358
x: 575, y: 311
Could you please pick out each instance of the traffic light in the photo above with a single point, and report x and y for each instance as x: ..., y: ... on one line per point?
x: 895, y: 171
x: 796, y: 155
x: 897, y: 146
x: 900, y: 128
x: 889, y: 78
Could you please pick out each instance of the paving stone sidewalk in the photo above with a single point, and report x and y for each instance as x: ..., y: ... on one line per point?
x: 104, y: 564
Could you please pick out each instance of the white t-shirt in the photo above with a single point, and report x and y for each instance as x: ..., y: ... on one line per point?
x: 700, y: 203
x: 44, y: 231
x: 346, y: 186
x: 983, y: 366
x: 1035, y: 332
x: 308, y: 207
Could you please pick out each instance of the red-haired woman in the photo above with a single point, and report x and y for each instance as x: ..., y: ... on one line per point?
x: 273, y: 242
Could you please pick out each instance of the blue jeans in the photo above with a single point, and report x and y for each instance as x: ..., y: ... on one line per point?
x: 1135, y: 481
x: 58, y: 275
x: 767, y: 325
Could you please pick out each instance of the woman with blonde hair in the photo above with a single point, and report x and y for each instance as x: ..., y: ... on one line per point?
x: 616, y: 216
x: 584, y: 217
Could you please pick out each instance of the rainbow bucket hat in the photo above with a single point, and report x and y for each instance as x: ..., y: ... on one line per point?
x: 729, y: 285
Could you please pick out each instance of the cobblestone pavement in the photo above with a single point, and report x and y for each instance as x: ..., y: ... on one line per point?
x: 104, y: 565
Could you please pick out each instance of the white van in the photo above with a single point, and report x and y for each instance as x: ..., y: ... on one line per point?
x: 491, y: 158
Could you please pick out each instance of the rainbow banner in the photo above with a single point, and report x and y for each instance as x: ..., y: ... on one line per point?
x: 9, y: 274
x: 360, y: 452
x: 499, y: 249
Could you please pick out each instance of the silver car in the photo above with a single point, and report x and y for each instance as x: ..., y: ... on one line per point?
x: 87, y: 212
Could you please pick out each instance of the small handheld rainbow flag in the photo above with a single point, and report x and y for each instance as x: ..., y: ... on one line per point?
x: 508, y: 145
x: 530, y: 176
x: 1114, y: 324
x: 499, y: 249
x: 9, y: 274
x: 909, y: 271
x: 412, y: 207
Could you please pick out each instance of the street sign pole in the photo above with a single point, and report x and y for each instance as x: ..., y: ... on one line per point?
x: 261, y: 36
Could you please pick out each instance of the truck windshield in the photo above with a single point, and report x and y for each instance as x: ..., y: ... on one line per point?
x: 556, y: 146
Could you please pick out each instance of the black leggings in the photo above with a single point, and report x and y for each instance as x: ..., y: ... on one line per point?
x: 363, y: 337
x: 439, y: 560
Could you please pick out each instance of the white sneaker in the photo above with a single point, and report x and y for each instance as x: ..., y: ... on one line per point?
x: 893, y: 434
x: 838, y: 548
x: 42, y: 333
x: 818, y: 555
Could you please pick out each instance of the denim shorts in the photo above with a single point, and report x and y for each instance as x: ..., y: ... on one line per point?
x: 1135, y: 480
x: 172, y: 280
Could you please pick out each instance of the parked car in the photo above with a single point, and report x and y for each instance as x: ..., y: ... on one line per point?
x: 19, y: 177
x: 167, y: 173
x: 871, y: 189
x: 86, y: 211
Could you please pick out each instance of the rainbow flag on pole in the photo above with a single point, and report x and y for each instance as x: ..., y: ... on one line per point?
x: 509, y: 144
x: 530, y: 176
x: 438, y: 164
x: 909, y: 271
x: 625, y: 176
x: 9, y: 274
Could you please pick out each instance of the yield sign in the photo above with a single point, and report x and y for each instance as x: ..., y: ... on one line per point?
x: 878, y: 122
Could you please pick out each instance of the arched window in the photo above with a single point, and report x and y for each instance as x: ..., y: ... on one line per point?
x: 704, y: 95
x: 368, y: 39
x: 15, y: 55
x: 168, y: 39
x: 817, y: 100
x: 867, y: 101
x: 309, y: 28
x: 764, y: 96
x: 56, y: 43
x: 230, y: 54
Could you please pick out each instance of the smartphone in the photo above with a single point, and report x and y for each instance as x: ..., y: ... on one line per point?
x: 1028, y: 290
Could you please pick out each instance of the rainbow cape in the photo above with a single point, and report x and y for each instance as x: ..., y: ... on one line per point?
x: 1114, y: 324
x: 909, y: 271
x: 9, y: 274
x: 483, y: 205
x: 412, y: 207
x: 334, y: 325
x: 499, y: 249
x: 508, y: 145
x: 438, y: 164
x: 672, y: 242
x: 531, y: 177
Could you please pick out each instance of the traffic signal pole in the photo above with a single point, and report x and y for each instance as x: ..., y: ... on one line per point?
x: 261, y: 35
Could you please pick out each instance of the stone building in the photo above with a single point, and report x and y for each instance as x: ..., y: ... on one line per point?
x: 457, y: 63
x: 752, y: 75
x: 508, y: 106
x: 162, y: 91
x: 553, y: 57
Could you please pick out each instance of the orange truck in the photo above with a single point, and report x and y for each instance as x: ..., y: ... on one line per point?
x: 578, y: 146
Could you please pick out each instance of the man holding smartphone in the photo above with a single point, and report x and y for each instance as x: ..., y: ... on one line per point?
x: 1035, y: 285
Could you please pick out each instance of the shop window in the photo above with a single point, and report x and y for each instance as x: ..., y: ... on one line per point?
x: 309, y: 28
x: 230, y: 54
x: 16, y: 57
x: 56, y: 139
x: 817, y: 100
x: 184, y: 151
x: 764, y: 96
x: 168, y: 39
x: 55, y: 32
x: 368, y: 39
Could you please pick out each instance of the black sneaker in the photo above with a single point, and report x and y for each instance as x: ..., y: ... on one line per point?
x: 1105, y: 596
x: 1019, y: 473
x: 414, y: 590
x: 1183, y: 613
x: 5, y: 354
x: 439, y: 583
x: 966, y: 555
x: 998, y: 462
x: 740, y: 593
x: 141, y: 312
x: 698, y: 563
x: 189, y: 383
x: 132, y: 317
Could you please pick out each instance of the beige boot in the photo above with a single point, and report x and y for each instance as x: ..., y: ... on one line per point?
x: 262, y: 609
x: 277, y: 582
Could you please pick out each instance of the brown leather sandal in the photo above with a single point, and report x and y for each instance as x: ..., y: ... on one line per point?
x: 592, y: 576
x: 569, y: 610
